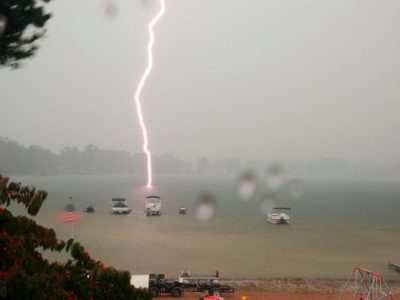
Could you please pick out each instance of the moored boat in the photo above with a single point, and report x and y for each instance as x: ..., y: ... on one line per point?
x: 89, y: 208
x: 279, y: 215
x: 153, y: 205
x: 119, y: 206
x: 182, y: 210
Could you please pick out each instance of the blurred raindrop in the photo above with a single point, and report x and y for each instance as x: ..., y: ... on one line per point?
x: 146, y: 5
x: 109, y: 10
x: 145, y: 2
x: 247, y: 186
x: 274, y: 177
x: 3, y: 24
x: 268, y: 202
x: 205, y: 207
x: 296, y: 188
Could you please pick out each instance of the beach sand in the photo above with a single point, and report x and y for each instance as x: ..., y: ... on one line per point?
x: 285, y: 289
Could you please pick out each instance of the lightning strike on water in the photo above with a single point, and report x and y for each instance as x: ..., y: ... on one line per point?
x: 140, y: 87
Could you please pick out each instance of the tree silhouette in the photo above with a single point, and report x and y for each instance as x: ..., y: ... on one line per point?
x: 22, y: 24
x: 25, y: 274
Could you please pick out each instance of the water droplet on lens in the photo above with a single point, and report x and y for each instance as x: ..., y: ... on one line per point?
x: 205, y: 207
x: 296, y: 188
x: 268, y: 202
x: 109, y: 10
x: 247, y: 186
x: 274, y: 177
x: 3, y: 24
x: 145, y: 2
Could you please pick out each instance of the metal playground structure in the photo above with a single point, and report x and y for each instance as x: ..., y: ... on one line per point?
x: 367, y: 285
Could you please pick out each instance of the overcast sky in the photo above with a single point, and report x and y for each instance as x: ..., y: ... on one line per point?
x: 257, y: 79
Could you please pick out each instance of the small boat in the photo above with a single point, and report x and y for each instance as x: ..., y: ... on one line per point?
x: 153, y: 205
x: 89, y: 208
x: 118, y: 206
x: 279, y: 215
x: 182, y: 210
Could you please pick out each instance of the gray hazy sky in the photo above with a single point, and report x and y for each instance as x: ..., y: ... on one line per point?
x: 258, y: 79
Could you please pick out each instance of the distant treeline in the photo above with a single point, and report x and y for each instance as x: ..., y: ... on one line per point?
x: 17, y: 159
x: 36, y: 160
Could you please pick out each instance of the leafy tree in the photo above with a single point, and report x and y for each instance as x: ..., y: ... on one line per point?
x: 23, y: 22
x: 25, y: 274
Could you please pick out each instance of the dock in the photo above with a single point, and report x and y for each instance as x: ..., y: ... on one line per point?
x: 394, y: 266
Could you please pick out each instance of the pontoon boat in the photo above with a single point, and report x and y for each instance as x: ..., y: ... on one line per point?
x: 118, y: 206
x: 279, y: 215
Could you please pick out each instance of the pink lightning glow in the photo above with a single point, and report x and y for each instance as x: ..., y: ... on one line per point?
x: 140, y: 87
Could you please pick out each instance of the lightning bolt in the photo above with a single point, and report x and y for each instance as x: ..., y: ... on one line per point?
x: 139, y: 88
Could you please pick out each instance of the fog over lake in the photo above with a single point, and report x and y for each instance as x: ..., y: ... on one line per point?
x: 259, y: 80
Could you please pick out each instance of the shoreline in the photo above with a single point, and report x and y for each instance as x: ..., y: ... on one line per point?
x: 300, y: 284
x: 285, y: 289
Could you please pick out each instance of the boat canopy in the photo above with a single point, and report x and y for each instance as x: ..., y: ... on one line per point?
x: 119, y: 204
x: 288, y: 208
x: 153, y: 197
x: 118, y: 199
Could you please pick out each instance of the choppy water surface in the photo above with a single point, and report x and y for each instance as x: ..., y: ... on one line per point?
x: 336, y: 225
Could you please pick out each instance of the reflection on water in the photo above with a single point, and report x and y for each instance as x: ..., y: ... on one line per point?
x: 336, y: 225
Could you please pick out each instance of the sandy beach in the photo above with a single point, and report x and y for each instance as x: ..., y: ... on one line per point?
x: 285, y: 289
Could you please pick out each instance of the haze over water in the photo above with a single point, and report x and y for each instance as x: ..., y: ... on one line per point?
x: 336, y: 224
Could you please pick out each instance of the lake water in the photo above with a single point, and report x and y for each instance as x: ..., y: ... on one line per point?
x: 336, y: 224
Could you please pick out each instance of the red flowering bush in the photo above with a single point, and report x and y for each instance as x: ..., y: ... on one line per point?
x: 25, y: 274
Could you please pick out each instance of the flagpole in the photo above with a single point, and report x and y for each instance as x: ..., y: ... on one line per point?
x: 72, y: 209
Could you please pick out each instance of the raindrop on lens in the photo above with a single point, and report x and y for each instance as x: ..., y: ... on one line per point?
x: 274, y: 177
x: 296, y: 188
x: 205, y: 207
x: 268, y: 202
x: 109, y: 10
x: 145, y: 2
x: 247, y: 186
x: 3, y: 24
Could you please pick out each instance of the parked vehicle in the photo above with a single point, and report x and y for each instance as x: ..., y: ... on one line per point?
x: 157, y: 284
x: 204, y: 283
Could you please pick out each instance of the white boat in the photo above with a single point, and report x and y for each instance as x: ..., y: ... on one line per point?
x: 153, y: 205
x: 279, y: 215
x: 182, y: 210
x: 119, y: 206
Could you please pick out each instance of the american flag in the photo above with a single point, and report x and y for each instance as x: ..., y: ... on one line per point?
x: 70, y: 215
